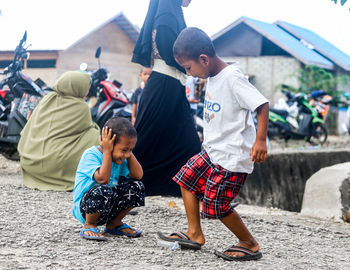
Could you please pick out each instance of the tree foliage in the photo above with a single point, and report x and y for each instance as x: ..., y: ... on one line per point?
x: 342, y: 2
x: 314, y: 78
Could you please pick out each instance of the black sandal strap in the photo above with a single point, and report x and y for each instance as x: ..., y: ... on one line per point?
x: 244, y: 250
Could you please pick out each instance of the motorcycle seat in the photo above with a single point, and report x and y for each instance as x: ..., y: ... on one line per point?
x: 282, y: 113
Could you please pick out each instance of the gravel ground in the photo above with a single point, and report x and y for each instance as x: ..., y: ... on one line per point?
x: 37, y: 231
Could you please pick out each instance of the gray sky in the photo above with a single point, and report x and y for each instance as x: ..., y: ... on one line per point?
x: 56, y: 24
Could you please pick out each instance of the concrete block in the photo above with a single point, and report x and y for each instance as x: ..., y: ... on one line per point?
x: 280, y: 181
x: 327, y: 193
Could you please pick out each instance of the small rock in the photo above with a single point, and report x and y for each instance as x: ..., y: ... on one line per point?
x: 172, y: 204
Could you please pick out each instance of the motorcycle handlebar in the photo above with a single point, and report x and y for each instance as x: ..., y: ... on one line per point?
x: 99, y: 75
x: 288, y: 94
x: 2, y: 83
x: 20, y: 53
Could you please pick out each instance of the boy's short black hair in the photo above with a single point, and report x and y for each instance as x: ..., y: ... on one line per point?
x: 191, y: 43
x: 121, y: 127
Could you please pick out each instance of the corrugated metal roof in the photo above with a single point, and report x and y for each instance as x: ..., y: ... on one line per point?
x: 284, y: 40
x: 320, y: 44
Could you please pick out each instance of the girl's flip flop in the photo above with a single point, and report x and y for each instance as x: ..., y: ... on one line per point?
x: 94, y: 230
x: 118, y: 231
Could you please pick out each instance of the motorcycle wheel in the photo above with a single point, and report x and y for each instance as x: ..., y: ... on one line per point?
x: 278, y: 131
x: 11, y: 155
x: 319, y: 135
x: 104, y: 119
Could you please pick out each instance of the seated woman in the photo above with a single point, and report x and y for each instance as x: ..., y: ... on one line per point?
x: 57, y: 134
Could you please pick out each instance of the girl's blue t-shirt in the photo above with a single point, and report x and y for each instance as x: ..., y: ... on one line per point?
x: 90, y: 161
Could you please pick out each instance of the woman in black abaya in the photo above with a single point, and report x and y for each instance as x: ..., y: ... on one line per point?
x: 166, y: 133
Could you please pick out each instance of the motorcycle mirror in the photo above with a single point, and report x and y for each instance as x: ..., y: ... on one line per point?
x: 83, y: 66
x: 117, y: 83
x: 98, y: 52
x: 24, y: 39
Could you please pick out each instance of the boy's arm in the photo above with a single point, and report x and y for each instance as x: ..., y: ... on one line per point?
x: 135, y: 169
x: 193, y: 100
x: 103, y: 174
x: 258, y: 153
x: 133, y: 114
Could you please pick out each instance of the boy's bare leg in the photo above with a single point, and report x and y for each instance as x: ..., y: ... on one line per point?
x: 91, y: 222
x: 235, y: 224
x: 117, y: 221
x: 194, y: 231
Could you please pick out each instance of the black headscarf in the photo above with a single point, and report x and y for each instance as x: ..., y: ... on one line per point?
x: 160, y: 13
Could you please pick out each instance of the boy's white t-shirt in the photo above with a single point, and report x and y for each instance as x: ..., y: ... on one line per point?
x: 229, y: 131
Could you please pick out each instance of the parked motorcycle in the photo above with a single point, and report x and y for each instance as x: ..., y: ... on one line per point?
x: 19, y: 96
x: 321, y: 102
x: 112, y: 100
x: 345, y: 119
x: 199, y: 90
x: 198, y: 120
x: 306, y: 125
x: 291, y: 106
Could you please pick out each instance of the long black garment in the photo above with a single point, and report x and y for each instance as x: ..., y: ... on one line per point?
x: 166, y: 133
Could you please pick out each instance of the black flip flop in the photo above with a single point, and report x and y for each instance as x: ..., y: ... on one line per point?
x: 183, y: 240
x: 249, y: 255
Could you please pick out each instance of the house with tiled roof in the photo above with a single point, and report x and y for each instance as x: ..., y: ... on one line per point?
x: 117, y: 37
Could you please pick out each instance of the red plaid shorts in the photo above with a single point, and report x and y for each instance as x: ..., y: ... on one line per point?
x: 210, y: 183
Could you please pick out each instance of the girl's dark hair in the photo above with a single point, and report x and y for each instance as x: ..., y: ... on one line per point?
x: 121, y: 127
x: 191, y: 43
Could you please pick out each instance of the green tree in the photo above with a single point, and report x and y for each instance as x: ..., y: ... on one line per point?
x: 342, y: 2
x: 314, y: 78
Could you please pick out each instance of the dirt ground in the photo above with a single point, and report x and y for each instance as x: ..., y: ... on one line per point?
x: 333, y: 142
x: 38, y: 231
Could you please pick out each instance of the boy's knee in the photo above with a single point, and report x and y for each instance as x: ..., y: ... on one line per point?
x: 141, y: 186
x: 137, y: 186
x: 138, y: 189
x: 103, y: 190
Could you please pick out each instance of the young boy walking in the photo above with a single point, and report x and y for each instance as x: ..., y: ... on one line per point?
x: 101, y: 195
x: 231, y: 146
x: 135, y: 98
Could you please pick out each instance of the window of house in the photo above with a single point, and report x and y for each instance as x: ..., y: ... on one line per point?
x: 5, y: 63
x: 45, y: 63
